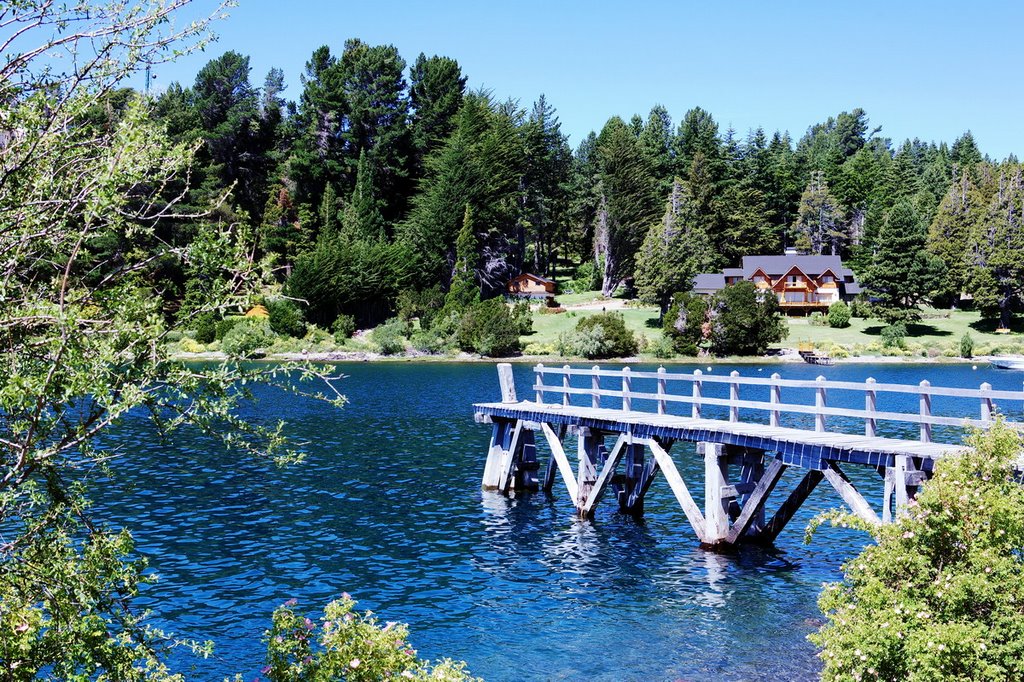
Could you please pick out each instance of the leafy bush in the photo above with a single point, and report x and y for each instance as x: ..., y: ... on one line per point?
x: 226, y: 325
x: 686, y: 324
x: 839, y: 315
x: 390, y: 337
x: 245, y: 338
x: 173, y: 336
x: 192, y: 346
x: 938, y: 597
x: 522, y: 317
x: 816, y: 319
x: 205, y: 326
x: 599, y: 336
x: 344, y: 327
x: 966, y: 345
x: 488, y: 328
x: 662, y: 347
x: 428, y: 341
x: 347, y: 645
x: 586, y: 278
x: 285, y: 317
x: 860, y: 308
x: 423, y: 305
x: 745, y: 321
x: 894, y: 336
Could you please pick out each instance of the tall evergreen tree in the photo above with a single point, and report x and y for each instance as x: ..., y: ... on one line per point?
x: 675, y: 249
x: 997, y: 278
x: 904, y: 273
x: 629, y: 194
x: 819, y: 225
x: 436, y: 89
x: 545, y: 177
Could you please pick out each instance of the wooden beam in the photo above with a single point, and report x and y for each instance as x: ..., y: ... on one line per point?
x: 678, y: 486
x: 508, y: 458
x: 493, y: 466
x: 716, y: 508
x: 755, y: 503
x: 563, y: 462
x: 604, y: 478
x: 851, y: 497
x: 789, y: 508
x: 507, y: 383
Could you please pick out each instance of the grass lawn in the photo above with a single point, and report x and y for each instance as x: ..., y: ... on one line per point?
x: 938, y: 329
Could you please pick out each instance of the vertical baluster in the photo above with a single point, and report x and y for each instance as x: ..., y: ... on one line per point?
x: 565, y: 385
x: 662, y: 390
x: 627, y: 384
x: 870, y: 406
x: 819, y: 405
x: 697, y: 393
x: 775, y: 398
x: 986, y: 403
x: 595, y: 387
x: 926, y: 412
x: 734, y: 397
x: 538, y: 385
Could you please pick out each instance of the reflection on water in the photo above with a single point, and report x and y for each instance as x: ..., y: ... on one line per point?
x: 388, y: 507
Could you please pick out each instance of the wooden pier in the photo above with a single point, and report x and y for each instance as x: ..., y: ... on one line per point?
x: 744, y: 459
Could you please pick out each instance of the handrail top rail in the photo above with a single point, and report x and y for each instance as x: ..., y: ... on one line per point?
x: 865, y: 386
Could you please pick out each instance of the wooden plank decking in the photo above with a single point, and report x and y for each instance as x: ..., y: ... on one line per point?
x: 796, y: 447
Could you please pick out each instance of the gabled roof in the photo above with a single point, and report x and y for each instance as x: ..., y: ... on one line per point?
x: 777, y: 266
x: 780, y: 283
x: 535, y: 278
x: 708, y: 282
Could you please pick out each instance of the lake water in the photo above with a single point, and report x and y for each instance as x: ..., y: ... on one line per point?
x: 388, y: 507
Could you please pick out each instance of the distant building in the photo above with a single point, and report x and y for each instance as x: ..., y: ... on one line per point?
x: 802, y: 283
x: 531, y: 286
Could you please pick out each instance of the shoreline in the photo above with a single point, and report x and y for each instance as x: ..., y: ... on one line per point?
x: 785, y: 357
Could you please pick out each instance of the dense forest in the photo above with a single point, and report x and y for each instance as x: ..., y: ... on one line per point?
x: 357, y: 193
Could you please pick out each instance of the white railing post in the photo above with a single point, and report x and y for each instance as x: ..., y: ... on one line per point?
x: 775, y: 397
x: 819, y: 405
x: 697, y: 394
x: 595, y: 387
x: 734, y: 397
x: 926, y: 412
x: 870, y: 406
x: 627, y: 386
x: 565, y: 384
x: 986, y: 403
x: 507, y: 383
x: 538, y: 385
x: 662, y: 389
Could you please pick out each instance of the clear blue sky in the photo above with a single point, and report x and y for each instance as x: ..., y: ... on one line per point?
x: 920, y: 69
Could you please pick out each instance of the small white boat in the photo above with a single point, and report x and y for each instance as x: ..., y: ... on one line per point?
x: 1007, y: 361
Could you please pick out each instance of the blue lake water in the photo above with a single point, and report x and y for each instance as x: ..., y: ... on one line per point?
x: 388, y: 507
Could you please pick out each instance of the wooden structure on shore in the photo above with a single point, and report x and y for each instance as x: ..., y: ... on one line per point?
x: 744, y: 460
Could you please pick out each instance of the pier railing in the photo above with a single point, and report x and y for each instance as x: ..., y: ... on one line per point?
x: 620, y: 388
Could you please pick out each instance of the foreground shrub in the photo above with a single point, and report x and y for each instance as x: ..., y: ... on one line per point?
x: 839, y: 315
x: 343, y: 327
x: 347, y: 645
x: 686, y: 324
x: 599, y: 336
x: 489, y: 328
x: 745, y: 321
x: 939, y: 596
x: 894, y: 336
x: 285, y: 317
x: 966, y: 345
x: 205, y: 327
x: 390, y: 336
x: 244, y: 339
x: 586, y: 278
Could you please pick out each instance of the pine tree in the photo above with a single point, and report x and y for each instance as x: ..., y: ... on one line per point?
x: 362, y: 218
x: 464, y: 291
x: 818, y: 226
x: 436, y: 90
x: 998, y: 253
x: 903, y: 273
x: 675, y: 249
x: 628, y: 190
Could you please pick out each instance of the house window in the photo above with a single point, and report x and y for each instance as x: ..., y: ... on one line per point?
x: 758, y: 279
x: 827, y: 279
x: 793, y: 279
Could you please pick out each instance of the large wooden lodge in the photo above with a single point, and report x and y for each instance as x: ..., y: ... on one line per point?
x: 802, y: 283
